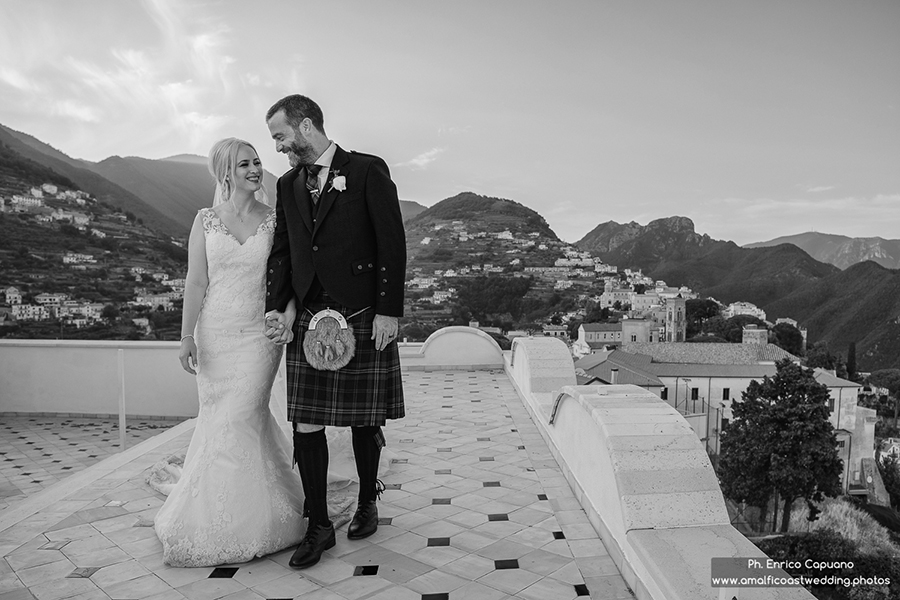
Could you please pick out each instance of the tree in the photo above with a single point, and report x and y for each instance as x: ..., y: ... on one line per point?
x: 596, y: 313
x: 852, y: 373
x: 110, y: 312
x: 572, y: 328
x: 697, y: 311
x: 639, y: 288
x: 731, y: 329
x: 889, y: 468
x: 890, y: 379
x: 788, y: 338
x: 818, y: 355
x: 487, y: 296
x: 781, y: 440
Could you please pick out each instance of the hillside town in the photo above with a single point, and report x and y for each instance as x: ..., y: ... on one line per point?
x: 644, y: 309
x: 113, y: 248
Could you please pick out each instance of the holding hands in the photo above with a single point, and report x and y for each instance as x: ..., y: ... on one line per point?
x: 280, y: 325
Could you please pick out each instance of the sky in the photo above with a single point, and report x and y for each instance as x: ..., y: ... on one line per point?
x: 754, y: 119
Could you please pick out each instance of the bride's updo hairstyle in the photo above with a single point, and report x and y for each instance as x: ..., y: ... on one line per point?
x: 221, y: 164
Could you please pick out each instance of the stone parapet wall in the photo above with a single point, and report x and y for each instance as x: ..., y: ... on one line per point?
x: 641, y: 475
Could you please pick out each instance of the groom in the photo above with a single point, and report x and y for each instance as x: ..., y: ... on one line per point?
x: 340, y: 244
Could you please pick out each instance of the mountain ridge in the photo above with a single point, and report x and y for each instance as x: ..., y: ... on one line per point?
x: 840, y: 250
x: 783, y: 279
x: 86, y: 179
x: 670, y: 249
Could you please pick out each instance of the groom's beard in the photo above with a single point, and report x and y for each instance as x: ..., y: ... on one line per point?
x: 301, y: 153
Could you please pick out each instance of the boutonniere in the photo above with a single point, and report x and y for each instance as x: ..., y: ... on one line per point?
x: 338, y: 181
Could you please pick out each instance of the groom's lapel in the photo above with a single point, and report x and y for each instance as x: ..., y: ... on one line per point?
x: 329, y: 194
x: 301, y: 197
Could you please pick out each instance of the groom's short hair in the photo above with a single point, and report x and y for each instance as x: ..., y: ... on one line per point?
x: 296, y: 108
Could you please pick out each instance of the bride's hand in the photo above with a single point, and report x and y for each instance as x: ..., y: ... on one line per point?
x: 188, y: 355
x: 277, y: 328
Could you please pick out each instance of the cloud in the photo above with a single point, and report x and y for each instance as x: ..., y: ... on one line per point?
x: 423, y: 160
x: 14, y: 78
x: 71, y: 108
x: 170, y: 86
x: 820, y: 188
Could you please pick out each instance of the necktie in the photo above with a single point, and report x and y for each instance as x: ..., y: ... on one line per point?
x: 312, y: 182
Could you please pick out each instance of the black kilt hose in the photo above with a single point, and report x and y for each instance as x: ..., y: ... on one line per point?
x: 365, y: 392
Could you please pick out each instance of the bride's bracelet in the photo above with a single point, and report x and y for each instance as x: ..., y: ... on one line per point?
x: 184, y: 337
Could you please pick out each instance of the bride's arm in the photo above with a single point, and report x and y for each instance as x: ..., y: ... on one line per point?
x: 195, y: 286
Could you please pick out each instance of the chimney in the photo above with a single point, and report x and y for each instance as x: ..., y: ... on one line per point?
x: 613, y: 376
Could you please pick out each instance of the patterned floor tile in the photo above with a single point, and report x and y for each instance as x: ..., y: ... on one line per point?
x: 453, y: 525
x: 50, y: 449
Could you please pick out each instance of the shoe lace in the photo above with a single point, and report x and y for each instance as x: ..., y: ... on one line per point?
x: 310, y: 536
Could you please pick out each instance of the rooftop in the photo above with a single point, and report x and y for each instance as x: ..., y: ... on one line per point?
x: 602, y: 326
x: 506, y: 481
x: 476, y: 507
x: 710, y: 354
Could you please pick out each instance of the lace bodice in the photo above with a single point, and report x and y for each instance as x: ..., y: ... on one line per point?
x: 237, y: 272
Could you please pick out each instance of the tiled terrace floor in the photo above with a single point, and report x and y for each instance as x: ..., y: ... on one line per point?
x: 39, y: 451
x: 476, y: 508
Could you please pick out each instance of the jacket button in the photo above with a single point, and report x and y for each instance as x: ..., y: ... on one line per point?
x: 315, y: 248
x: 270, y: 283
x: 383, y: 269
x: 271, y: 271
x: 359, y: 267
x: 370, y: 265
x: 382, y: 293
x: 268, y: 293
x: 384, y: 281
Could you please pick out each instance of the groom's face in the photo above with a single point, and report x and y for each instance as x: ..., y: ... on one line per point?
x: 292, y: 141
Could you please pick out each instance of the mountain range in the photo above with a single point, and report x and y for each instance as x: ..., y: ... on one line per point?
x: 810, y: 277
x: 860, y: 303
x: 670, y: 249
x: 842, y: 251
x: 165, y: 193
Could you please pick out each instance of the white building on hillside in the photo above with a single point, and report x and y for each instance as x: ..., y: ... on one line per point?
x: 47, y: 299
x: 74, y: 258
x: 26, y: 201
x: 13, y: 296
x: 743, y: 308
x: 30, y: 312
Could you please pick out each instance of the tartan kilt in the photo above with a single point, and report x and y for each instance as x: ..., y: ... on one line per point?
x: 365, y: 392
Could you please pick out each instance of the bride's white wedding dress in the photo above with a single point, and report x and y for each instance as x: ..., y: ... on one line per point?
x: 237, y: 497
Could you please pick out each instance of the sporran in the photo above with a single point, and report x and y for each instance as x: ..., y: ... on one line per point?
x: 329, y: 343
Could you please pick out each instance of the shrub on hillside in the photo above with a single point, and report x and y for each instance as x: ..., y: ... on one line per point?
x: 848, y: 521
x: 827, y: 546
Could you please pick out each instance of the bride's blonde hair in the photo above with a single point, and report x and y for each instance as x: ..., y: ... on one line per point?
x: 221, y: 164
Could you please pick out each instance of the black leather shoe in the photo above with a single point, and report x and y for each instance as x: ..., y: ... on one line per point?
x: 317, y: 540
x: 365, y: 521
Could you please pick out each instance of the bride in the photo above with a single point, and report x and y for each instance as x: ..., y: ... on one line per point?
x: 237, y: 497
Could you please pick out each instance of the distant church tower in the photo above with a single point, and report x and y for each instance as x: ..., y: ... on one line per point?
x: 676, y: 323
